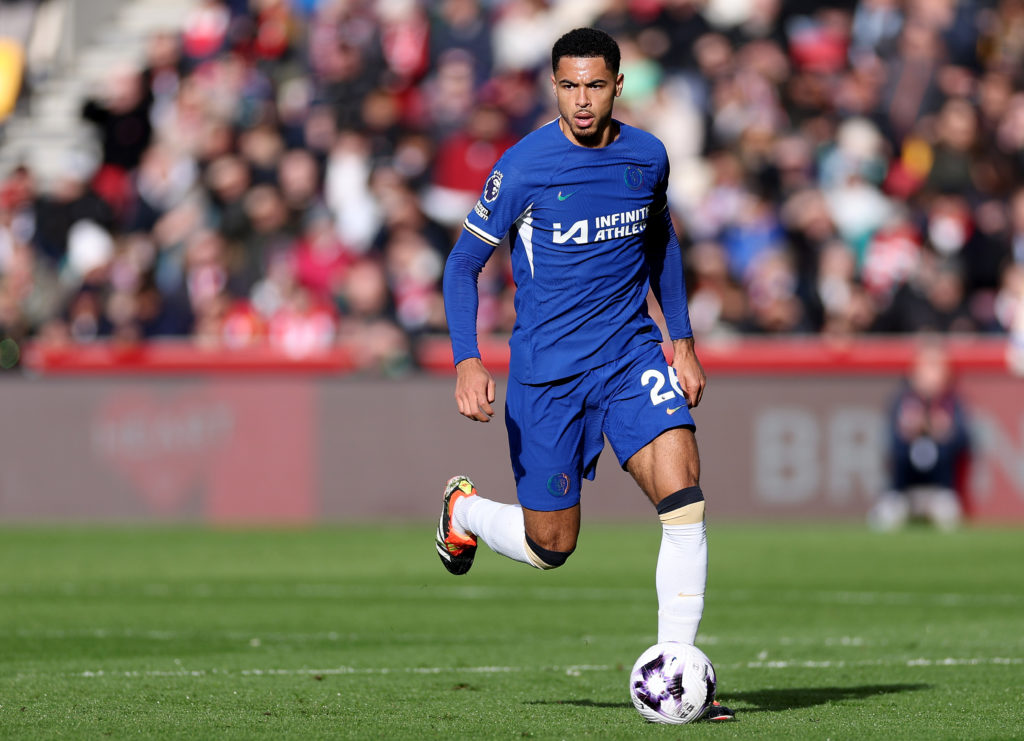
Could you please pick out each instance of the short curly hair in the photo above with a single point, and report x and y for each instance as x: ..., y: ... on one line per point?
x: 586, y: 42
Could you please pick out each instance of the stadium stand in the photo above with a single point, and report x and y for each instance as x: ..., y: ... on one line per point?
x: 291, y: 174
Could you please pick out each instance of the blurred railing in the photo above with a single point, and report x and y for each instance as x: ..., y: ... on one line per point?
x: 812, y: 355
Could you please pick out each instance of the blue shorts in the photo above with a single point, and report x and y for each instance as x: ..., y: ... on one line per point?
x: 556, y: 431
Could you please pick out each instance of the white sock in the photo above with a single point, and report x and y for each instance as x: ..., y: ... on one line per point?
x: 681, y: 578
x: 498, y: 525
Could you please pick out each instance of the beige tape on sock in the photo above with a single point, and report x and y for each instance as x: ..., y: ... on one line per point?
x: 535, y: 560
x: 688, y: 515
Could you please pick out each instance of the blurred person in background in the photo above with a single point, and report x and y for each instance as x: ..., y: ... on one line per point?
x: 414, y: 271
x: 302, y: 325
x: 839, y: 305
x: 463, y: 162
x: 68, y: 200
x: 270, y: 233
x: 718, y: 303
x: 368, y: 329
x: 523, y: 33
x: 928, y: 444
x: 164, y: 178
x: 30, y: 293
x: 347, y: 190
x: 403, y: 209
x: 463, y: 24
x: 205, y: 31
x: 122, y: 114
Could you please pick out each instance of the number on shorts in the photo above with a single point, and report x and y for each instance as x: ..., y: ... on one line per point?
x: 657, y: 397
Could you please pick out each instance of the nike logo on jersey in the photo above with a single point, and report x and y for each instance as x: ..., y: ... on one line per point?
x: 565, y: 197
x: 673, y: 410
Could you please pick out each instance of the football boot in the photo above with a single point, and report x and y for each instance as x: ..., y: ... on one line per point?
x: 455, y: 551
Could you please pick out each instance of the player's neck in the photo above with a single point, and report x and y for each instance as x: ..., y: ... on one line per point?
x: 601, y: 139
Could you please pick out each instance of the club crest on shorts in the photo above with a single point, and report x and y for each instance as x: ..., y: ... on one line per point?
x: 493, y: 186
x: 559, y: 484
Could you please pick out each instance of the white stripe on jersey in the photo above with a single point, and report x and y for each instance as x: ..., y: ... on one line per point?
x: 525, y: 225
x: 478, y: 232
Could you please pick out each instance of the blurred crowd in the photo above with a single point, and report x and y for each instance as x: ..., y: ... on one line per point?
x: 294, y: 172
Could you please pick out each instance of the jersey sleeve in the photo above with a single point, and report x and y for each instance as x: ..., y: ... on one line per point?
x: 500, y: 205
x: 660, y: 201
x: 461, y: 297
x: 503, y: 200
x: 666, y: 262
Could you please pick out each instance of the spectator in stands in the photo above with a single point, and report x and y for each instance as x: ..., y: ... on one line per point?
x: 122, y: 115
x: 319, y: 260
x: 270, y: 234
x: 30, y: 293
x: 347, y: 190
x: 164, y: 178
x: 463, y: 163
x: 718, y: 303
x: 70, y: 199
x: 302, y: 325
x: 368, y: 328
x: 463, y: 24
x: 928, y: 444
x: 523, y: 33
x: 205, y: 31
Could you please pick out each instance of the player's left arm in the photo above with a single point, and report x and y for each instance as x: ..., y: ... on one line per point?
x: 666, y: 263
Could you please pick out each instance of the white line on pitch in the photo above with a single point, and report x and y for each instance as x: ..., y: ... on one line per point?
x: 571, y: 670
x: 257, y: 638
x: 560, y: 594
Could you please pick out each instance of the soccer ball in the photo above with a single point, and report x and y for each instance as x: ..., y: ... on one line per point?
x: 672, y: 683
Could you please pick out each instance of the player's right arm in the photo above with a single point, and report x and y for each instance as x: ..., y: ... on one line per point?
x: 501, y: 203
x: 474, y: 385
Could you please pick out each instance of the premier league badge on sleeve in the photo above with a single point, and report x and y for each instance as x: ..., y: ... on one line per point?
x: 492, y: 186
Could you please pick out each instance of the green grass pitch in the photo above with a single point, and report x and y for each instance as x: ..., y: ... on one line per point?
x: 817, y: 631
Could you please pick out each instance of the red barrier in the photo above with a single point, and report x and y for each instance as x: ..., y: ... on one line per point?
x: 177, y: 357
x: 792, y: 355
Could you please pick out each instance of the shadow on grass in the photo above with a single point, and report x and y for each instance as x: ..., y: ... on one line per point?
x: 581, y: 703
x: 790, y: 698
x: 760, y: 701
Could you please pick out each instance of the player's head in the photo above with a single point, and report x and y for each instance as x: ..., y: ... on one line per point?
x: 586, y: 80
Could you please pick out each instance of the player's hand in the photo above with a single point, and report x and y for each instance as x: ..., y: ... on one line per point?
x: 474, y: 390
x: 689, y: 371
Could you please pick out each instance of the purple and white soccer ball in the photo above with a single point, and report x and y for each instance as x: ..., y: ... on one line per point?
x: 672, y: 683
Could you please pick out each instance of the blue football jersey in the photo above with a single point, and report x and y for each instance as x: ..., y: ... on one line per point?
x: 576, y: 219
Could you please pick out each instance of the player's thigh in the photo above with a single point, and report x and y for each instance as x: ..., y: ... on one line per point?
x: 667, y: 464
x: 546, y: 427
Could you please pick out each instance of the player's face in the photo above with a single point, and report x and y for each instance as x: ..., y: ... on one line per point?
x: 586, y: 91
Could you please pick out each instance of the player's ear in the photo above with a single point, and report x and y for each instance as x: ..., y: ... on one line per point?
x: 618, y: 85
x: 554, y: 85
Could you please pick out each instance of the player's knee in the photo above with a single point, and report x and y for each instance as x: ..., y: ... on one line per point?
x: 546, y: 559
x: 684, y: 507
